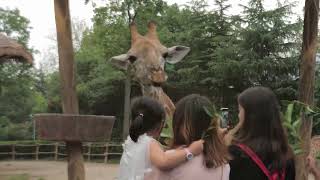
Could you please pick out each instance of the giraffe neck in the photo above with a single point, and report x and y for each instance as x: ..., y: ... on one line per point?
x: 158, y: 94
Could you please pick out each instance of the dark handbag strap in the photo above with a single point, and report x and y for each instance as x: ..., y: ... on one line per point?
x: 258, y: 161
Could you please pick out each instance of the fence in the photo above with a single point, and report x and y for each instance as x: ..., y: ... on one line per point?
x: 91, y: 151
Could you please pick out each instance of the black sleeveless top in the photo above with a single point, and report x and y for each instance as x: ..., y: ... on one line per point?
x: 243, y: 168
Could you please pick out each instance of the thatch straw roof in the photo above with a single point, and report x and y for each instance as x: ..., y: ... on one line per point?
x: 10, y: 49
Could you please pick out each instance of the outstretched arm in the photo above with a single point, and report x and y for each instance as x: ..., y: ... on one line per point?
x: 165, y: 161
x: 230, y: 134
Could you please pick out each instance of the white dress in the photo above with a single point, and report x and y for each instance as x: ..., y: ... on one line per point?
x: 135, y: 160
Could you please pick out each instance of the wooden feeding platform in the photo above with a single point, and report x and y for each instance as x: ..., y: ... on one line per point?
x: 74, y: 127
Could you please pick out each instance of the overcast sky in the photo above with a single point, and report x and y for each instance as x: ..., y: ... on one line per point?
x: 41, y: 16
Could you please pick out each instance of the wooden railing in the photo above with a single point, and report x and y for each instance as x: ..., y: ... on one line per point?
x: 101, y: 151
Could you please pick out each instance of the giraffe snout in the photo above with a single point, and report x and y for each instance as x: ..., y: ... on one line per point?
x: 158, y: 77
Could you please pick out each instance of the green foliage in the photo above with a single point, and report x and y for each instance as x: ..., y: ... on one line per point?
x: 4, y: 127
x: 271, y: 45
x: 15, y: 92
x: 167, y: 131
x: 19, y: 95
x: 53, y: 93
x: 14, y: 25
x: 20, y: 131
x: 40, y: 104
x: 293, y: 114
x: 14, y: 131
x: 20, y: 177
x: 261, y: 48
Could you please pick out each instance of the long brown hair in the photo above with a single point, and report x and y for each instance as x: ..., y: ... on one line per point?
x: 190, y: 121
x: 262, y: 129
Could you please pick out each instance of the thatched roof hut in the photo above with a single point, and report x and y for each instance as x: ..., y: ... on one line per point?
x: 10, y: 49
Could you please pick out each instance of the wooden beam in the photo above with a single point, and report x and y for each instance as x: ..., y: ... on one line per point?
x: 70, y: 127
x: 66, y: 57
x: 68, y: 84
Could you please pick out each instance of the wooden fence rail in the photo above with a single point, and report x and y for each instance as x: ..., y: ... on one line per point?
x: 100, y: 150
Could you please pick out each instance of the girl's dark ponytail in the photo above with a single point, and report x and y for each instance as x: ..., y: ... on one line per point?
x: 147, y: 114
x: 136, y: 128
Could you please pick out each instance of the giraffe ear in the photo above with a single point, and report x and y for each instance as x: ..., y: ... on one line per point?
x: 120, y: 61
x: 177, y: 53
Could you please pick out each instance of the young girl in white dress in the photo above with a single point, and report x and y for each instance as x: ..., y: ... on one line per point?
x: 141, y: 151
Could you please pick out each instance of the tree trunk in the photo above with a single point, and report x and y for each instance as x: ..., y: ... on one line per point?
x: 307, y: 80
x: 68, y: 84
x: 126, y: 115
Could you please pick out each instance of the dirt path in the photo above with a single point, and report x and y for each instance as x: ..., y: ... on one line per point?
x: 52, y: 170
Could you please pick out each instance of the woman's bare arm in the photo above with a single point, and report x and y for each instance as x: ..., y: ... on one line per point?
x: 165, y: 161
x: 228, y: 137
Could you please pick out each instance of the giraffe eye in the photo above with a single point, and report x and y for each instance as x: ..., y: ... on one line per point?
x: 132, y: 59
x: 165, y: 55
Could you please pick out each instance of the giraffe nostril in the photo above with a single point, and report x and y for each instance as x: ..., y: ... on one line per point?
x: 132, y: 59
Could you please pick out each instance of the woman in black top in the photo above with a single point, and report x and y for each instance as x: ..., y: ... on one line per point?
x: 261, y: 130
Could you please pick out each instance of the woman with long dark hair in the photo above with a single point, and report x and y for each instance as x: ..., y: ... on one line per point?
x: 261, y: 137
x: 191, y: 122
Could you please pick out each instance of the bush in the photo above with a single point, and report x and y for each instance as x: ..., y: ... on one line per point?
x: 19, y: 131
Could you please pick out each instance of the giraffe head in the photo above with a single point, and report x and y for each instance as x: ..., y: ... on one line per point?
x: 146, y: 58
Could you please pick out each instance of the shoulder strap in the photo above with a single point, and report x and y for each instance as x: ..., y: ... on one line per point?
x: 261, y: 165
x: 256, y: 159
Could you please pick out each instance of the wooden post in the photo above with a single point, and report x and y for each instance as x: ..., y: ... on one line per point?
x: 106, y: 153
x: 37, y: 151
x: 56, y: 151
x: 89, y: 152
x: 307, y: 80
x: 68, y: 91
x: 126, y: 112
x: 13, y: 150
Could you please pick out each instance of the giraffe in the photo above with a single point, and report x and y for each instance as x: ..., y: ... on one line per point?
x: 145, y: 63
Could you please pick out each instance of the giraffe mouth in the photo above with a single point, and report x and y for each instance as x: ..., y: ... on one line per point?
x: 156, y: 84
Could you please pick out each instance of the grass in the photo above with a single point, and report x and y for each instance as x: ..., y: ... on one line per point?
x: 22, y: 177
x: 19, y: 177
x: 114, y: 161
